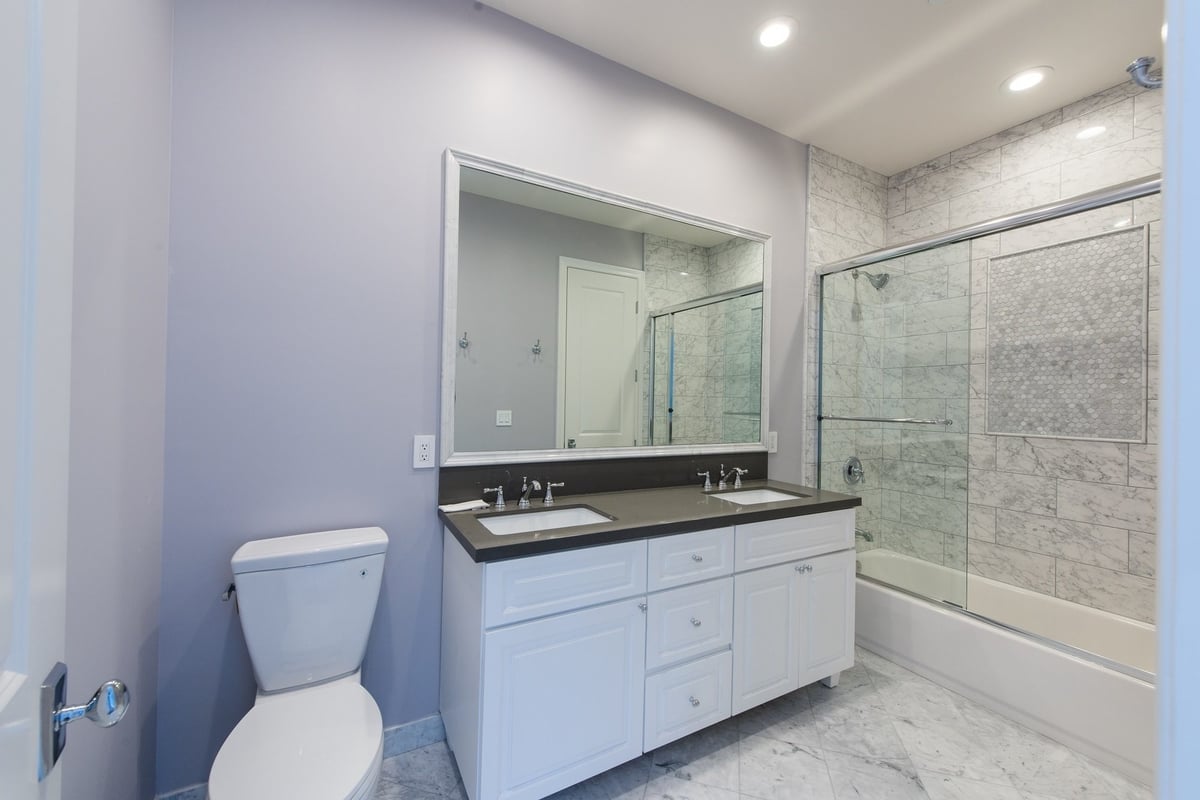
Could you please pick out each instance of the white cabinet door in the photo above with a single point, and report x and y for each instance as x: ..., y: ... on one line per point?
x: 825, y: 616
x: 765, y: 650
x: 563, y: 700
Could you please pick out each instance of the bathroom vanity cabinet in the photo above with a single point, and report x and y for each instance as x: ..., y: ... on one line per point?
x: 558, y: 666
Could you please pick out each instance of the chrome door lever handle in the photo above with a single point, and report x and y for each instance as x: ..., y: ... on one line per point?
x: 106, y: 708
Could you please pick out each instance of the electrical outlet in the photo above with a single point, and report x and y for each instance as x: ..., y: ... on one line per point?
x: 772, y: 442
x: 503, y: 417
x: 424, y: 445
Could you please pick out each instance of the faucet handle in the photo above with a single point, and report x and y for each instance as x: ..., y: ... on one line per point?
x: 739, y: 472
x: 550, y: 487
x: 499, y: 490
x: 721, y: 485
x: 707, y: 480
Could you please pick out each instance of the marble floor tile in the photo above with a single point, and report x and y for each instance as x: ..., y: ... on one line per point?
x: 868, y: 733
x: 788, y: 718
x: 626, y: 782
x: 387, y: 790
x: 884, y: 733
x: 954, y: 787
x: 669, y: 787
x: 949, y: 748
x: 775, y: 770
x: 709, y: 757
x: 428, y: 769
x: 855, y: 777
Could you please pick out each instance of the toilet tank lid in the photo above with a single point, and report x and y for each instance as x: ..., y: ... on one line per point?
x: 306, y: 549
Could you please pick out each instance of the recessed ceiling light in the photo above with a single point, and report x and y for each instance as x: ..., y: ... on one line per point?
x: 1164, y: 32
x: 1027, y: 79
x: 1121, y: 223
x: 775, y: 32
x: 683, y: 273
x: 1091, y: 133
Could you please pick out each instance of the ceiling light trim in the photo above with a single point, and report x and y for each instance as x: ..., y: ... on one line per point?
x: 1027, y: 79
x: 776, y: 31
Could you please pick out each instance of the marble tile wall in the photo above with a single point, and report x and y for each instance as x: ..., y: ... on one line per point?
x: 1067, y: 516
x: 1037, y: 162
x: 1066, y: 339
x: 847, y: 215
x: 1061, y: 516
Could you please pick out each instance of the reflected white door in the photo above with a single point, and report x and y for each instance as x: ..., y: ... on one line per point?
x: 37, y: 173
x: 600, y: 327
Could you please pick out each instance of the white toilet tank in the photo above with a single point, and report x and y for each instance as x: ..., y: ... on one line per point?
x: 307, y: 602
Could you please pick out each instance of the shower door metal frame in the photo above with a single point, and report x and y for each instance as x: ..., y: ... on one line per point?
x: 1119, y: 193
x: 1123, y: 192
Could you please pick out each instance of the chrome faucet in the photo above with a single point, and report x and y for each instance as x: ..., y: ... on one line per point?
x: 737, y: 472
x: 527, y: 488
x: 549, y: 498
x: 707, y: 479
x: 499, y: 490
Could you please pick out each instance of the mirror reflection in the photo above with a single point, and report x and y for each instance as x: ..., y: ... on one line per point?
x: 583, y: 324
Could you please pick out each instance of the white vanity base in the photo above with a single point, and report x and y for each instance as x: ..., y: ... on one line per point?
x: 559, y: 666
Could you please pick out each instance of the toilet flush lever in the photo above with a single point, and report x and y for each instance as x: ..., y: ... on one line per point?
x: 106, y: 708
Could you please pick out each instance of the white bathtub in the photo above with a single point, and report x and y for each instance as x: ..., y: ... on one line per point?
x: 1097, y: 710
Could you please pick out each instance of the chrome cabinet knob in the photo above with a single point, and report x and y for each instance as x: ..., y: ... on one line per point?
x: 692, y: 699
x: 695, y: 622
x: 642, y: 606
x: 697, y: 557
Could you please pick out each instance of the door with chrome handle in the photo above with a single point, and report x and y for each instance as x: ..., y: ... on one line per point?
x: 106, y: 708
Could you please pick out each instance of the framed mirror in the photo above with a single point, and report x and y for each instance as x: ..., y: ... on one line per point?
x: 583, y: 324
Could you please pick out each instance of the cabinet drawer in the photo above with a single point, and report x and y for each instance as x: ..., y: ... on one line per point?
x: 690, y: 557
x: 689, y: 621
x: 761, y: 544
x: 687, y: 698
x: 525, y: 588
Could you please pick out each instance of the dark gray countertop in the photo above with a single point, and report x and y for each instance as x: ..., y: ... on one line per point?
x: 638, y: 514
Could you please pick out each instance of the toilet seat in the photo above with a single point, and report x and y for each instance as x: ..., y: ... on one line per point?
x: 318, y: 743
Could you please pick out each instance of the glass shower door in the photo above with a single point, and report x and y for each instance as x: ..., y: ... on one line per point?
x: 894, y: 414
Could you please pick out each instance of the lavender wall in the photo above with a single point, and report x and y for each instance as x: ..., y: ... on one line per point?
x: 507, y: 300
x: 117, y: 386
x: 304, y: 300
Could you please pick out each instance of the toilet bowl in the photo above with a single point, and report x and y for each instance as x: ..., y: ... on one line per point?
x: 306, y: 604
x: 320, y: 743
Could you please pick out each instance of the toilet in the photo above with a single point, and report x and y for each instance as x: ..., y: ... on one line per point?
x: 306, y: 604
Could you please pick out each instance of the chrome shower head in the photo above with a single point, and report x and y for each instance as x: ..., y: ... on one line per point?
x: 878, y: 281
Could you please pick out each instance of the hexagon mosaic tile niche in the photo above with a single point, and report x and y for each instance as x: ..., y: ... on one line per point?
x: 1066, y: 339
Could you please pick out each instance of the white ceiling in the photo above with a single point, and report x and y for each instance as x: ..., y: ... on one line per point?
x: 886, y: 83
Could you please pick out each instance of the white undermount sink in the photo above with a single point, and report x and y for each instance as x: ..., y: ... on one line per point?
x: 754, y: 496
x: 548, y: 520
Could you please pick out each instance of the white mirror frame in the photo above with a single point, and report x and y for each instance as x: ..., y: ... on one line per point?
x: 454, y: 161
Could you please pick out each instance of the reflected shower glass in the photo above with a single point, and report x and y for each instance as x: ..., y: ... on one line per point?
x: 706, y: 372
